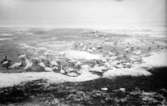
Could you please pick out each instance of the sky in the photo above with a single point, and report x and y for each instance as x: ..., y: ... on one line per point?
x: 81, y: 13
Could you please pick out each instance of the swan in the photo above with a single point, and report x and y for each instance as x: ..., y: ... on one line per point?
x: 27, y: 62
x: 46, y: 68
x: 16, y: 65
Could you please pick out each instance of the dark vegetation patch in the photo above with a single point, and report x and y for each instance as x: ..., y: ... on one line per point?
x: 125, y: 90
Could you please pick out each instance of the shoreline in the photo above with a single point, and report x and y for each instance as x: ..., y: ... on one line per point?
x: 11, y: 79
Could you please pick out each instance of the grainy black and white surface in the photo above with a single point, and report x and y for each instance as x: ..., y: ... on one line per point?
x: 83, y: 53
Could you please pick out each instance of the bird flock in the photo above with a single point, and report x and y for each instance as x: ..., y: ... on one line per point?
x: 26, y: 63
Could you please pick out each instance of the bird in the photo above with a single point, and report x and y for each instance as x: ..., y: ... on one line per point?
x: 23, y: 62
x: 6, y: 62
x: 16, y: 65
x: 26, y: 62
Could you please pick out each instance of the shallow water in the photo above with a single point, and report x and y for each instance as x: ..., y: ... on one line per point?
x: 39, y: 42
x: 157, y: 30
x: 60, y: 39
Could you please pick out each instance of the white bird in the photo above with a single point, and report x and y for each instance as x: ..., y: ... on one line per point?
x: 62, y: 70
x: 23, y: 62
x: 28, y: 63
x: 16, y: 65
x: 46, y: 68
x: 20, y: 63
